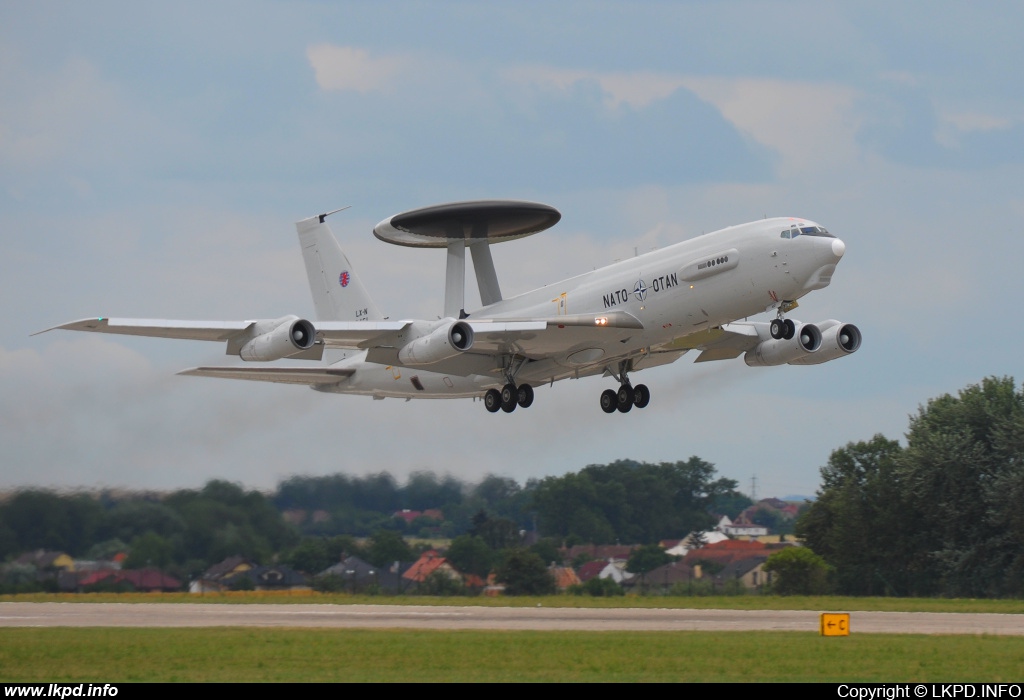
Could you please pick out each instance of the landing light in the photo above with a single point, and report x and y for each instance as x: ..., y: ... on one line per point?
x: 601, y: 321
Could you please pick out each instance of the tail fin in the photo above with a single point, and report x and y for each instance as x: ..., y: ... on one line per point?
x: 338, y: 295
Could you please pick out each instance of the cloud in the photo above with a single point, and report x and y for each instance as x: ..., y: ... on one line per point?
x: 340, y: 68
x: 811, y: 125
x: 637, y: 90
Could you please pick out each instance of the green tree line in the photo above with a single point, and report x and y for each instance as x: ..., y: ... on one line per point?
x: 941, y: 515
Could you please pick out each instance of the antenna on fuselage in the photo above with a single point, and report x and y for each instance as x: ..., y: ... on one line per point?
x: 477, y: 225
x: 324, y: 216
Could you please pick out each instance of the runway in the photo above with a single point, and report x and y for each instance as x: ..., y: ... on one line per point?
x: 489, y: 618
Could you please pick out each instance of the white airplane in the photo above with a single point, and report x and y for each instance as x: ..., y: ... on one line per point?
x: 642, y: 312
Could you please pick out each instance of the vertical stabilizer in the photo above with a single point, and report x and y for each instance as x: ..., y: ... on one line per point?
x: 338, y: 295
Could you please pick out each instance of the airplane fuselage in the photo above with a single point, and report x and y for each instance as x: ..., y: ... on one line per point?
x: 675, y: 292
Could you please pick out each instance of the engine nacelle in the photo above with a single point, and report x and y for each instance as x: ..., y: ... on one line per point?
x: 449, y: 339
x: 837, y: 340
x: 275, y: 340
x: 771, y: 353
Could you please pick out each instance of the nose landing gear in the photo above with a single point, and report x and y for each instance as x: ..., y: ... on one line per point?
x: 782, y: 328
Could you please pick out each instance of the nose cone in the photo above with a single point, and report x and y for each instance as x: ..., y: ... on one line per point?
x: 838, y: 248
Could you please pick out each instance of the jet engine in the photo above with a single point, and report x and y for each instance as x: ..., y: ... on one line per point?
x: 275, y: 340
x: 837, y: 340
x: 771, y: 353
x: 448, y: 339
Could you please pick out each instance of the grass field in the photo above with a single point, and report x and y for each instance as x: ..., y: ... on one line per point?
x: 260, y: 655
x: 746, y: 602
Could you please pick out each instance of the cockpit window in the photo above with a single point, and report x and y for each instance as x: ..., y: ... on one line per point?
x: 816, y: 231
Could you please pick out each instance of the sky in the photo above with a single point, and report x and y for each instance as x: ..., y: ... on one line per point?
x: 154, y: 158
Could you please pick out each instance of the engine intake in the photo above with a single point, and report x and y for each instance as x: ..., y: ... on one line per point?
x: 838, y: 340
x: 771, y: 353
x: 448, y: 339
x: 275, y: 340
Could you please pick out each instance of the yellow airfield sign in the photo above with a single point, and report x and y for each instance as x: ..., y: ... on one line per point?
x: 835, y: 624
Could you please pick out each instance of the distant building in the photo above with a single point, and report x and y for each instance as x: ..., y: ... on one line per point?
x: 270, y: 578
x: 429, y: 563
x: 358, y: 575
x: 216, y: 577
x: 142, y: 580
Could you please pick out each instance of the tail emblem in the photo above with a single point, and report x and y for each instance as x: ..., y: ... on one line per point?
x: 343, y: 278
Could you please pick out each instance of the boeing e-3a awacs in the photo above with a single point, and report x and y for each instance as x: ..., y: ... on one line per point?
x: 637, y: 313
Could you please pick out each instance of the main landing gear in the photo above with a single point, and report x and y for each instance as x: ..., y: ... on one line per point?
x: 627, y: 396
x: 508, y: 398
x: 510, y: 395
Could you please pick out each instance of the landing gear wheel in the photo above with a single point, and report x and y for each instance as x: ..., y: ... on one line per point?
x: 790, y: 330
x: 641, y: 396
x: 524, y: 397
x: 624, y: 398
x: 609, y: 401
x: 492, y: 400
x: 777, y: 328
x: 509, y: 398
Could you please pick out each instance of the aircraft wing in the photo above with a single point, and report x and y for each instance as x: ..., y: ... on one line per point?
x: 281, y: 375
x: 156, y: 328
x: 349, y: 335
x: 531, y: 337
x: 724, y: 343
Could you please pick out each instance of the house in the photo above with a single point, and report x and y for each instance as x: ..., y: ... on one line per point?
x: 664, y: 577
x: 615, y: 569
x: 215, y: 578
x: 681, y: 547
x: 749, y: 571
x: 429, y: 563
x: 45, y: 560
x: 590, y: 570
x: 564, y: 577
x: 143, y: 580
x: 268, y: 578
x: 596, y: 552
x: 744, y: 528
x: 358, y: 575
x: 725, y: 552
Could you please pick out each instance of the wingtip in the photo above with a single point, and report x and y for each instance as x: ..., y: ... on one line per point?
x: 82, y: 324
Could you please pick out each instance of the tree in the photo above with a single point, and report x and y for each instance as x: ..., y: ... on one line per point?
x: 731, y: 503
x: 440, y: 583
x: 498, y: 533
x: 149, y: 550
x: 799, y: 571
x: 524, y: 573
x: 470, y: 555
x: 600, y: 588
x: 940, y: 516
x: 387, y: 547
x: 964, y: 456
x: 311, y: 556
x: 647, y: 558
x: 37, y: 519
x: 696, y: 540
x: 630, y: 501
x: 858, y: 524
